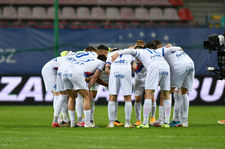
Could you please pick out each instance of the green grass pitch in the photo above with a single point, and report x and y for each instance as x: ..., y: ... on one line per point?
x: 29, y: 127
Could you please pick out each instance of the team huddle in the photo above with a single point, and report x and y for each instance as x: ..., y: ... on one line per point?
x: 72, y: 76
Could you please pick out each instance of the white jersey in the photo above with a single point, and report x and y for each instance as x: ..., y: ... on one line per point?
x: 120, y: 74
x: 77, y: 67
x: 156, y: 65
x: 88, y: 65
x: 182, y: 67
x: 49, y: 73
x: 175, y: 56
x: 146, y: 56
x: 56, y: 62
x: 122, y: 62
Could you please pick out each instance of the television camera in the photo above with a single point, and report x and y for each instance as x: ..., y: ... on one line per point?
x: 216, y: 43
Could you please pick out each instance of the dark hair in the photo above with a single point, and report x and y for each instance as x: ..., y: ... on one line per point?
x: 150, y: 45
x: 139, y: 47
x: 102, y: 47
x: 90, y: 48
x: 157, y: 42
x: 140, y: 43
x: 102, y: 57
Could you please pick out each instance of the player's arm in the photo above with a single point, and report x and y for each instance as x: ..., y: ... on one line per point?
x: 126, y: 51
x: 108, y: 64
x: 88, y: 79
x: 170, y: 49
x: 107, y: 68
x: 100, y: 81
x: 95, y: 76
x: 133, y: 65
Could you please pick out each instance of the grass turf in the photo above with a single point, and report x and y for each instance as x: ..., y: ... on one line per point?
x: 23, y: 127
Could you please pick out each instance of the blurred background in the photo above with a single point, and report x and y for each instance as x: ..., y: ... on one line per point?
x: 32, y: 32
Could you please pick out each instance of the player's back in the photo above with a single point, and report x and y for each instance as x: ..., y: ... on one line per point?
x: 89, y: 65
x: 175, y: 57
x: 149, y: 56
x: 122, y: 62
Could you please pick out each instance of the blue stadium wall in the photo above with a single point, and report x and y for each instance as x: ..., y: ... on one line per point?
x: 24, y: 51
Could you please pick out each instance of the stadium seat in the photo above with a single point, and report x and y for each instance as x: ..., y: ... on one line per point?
x: 24, y: 12
x: 112, y: 13
x: 176, y: 2
x: 89, y: 2
x: 156, y: 14
x: 133, y: 2
x: 170, y: 14
x: 39, y: 12
x: 163, y: 2
x: 51, y: 12
x: 98, y: 13
x: 70, y: 2
x: 141, y: 13
x: 148, y: 2
x: 104, y: 2
x: 4, y: 1
x: 9, y: 12
x: 83, y: 13
x: 185, y: 14
x: 68, y: 13
x: 127, y: 13
x: 118, y: 2
x: 155, y: 2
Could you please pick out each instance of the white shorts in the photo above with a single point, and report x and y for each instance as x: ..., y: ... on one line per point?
x: 49, y: 77
x: 72, y: 78
x: 120, y: 78
x: 158, y: 73
x: 183, y: 76
x: 139, y: 86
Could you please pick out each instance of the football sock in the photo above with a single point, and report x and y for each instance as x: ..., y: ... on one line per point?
x: 181, y: 108
x: 111, y: 110
x: 167, y: 110
x: 55, y: 98
x: 72, y: 118
x: 92, y: 108
x: 65, y: 111
x: 128, y: 111
x: 176, y: 108
x: 153, y: 109
x: 79, y: 108
x: 146, y: 110
x: 137, y: 107
x: 161, y: 113
x: 87, y: 116
x: 116, y: 110
x: 58, y: 107
x: 185, y: 106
